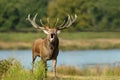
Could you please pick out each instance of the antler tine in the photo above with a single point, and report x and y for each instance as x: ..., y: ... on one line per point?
x: 48, y: 22
x: 56, y: 22
x: 32, y: 21
x: 74, y: 19
x: 35, y: 17
x: 62, y: 26
x: 42, y: 23
x: 28, y: 18
x: 69, y: 22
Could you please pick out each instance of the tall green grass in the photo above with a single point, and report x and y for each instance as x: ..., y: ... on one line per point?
x: 96, y: 70
x: 12, y: 69
x: 39, y: 70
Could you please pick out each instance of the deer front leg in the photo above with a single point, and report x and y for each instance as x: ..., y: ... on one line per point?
x: 33, y: 60
x: 54, y: 67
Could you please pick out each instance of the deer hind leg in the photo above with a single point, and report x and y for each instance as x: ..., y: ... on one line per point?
x: 54, y: 67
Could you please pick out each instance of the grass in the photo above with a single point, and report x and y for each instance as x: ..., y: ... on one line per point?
x: 20, y: 37
x: 29, y: 37
x: 96, y: 70
x: 68, y: 41
x: 89, y: 35
x: 11, y: 69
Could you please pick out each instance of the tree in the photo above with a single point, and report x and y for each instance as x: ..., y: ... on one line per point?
x: 9, y: 15
x: 93, y: 15
x: 13, y: 13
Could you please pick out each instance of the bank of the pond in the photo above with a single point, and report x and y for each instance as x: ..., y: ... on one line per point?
x: 68, y: 41
x: 81, y: 44
x: 87, y: 44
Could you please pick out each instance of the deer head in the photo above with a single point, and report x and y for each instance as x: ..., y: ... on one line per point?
x: 52, y: 32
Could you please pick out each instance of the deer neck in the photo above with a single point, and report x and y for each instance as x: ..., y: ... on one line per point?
x: 53, y: 44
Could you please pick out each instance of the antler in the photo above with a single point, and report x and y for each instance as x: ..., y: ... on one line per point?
x: 32, y: 21
x: 44, y: 24
x: 48, y: 22
x: 67, y: 23
x: 56, y: 22
x: 64, y: 25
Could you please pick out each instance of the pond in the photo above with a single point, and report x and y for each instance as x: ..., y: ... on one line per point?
x: 79, y: 58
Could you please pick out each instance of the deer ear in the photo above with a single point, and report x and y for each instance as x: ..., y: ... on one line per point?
x: 45, y: 31
x: 58, y: 31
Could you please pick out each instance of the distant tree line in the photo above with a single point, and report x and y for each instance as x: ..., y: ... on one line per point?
x: 93, y: 15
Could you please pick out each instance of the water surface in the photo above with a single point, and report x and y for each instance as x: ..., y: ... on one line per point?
x: 72, y: 58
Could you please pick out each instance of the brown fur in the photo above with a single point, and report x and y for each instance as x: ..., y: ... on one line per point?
x: 47, y: 50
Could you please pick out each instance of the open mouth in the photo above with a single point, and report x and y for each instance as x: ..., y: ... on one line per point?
x: 52, y: 35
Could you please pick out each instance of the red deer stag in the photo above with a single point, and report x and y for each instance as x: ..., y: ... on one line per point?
x: 48, y: 48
